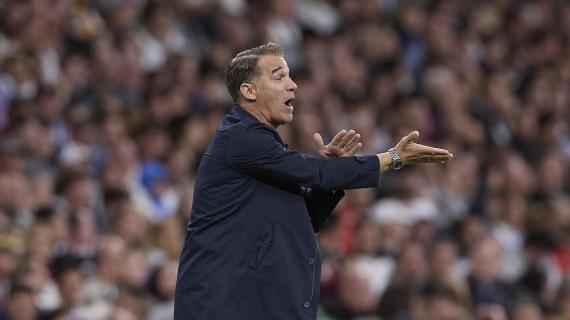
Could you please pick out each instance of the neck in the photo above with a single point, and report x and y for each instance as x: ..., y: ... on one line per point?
x: 254, y: 110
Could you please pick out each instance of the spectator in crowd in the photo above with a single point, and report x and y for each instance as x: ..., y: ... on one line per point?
x: 19, y: 304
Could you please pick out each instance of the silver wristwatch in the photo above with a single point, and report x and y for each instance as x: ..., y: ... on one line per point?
x: 397, y: 163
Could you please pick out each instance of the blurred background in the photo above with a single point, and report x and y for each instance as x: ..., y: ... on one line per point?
x: 107, y: 105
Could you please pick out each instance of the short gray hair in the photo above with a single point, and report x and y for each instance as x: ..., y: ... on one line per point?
x: 243, y: 67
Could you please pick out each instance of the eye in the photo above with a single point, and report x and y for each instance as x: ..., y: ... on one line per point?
x: 281, y: 77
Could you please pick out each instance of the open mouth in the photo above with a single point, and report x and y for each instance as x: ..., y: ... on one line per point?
x: 290, y: 102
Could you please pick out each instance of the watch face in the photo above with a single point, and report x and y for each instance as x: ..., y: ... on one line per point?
x: 398, y: 165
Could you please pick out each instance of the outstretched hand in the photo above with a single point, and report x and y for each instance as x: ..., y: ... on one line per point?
x: 413, y: 153
x: 344, y: 144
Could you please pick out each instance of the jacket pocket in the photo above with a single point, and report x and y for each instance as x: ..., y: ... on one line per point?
x: 262, y: 244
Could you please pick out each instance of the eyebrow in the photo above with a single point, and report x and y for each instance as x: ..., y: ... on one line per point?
x: 276, y: 69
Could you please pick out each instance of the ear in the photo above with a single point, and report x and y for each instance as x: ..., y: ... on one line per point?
x: 248, y: 91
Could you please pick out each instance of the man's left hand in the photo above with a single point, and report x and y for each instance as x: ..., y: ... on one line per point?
x: 344, y: 144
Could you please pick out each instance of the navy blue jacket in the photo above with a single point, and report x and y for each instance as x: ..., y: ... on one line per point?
x: 250, y: 250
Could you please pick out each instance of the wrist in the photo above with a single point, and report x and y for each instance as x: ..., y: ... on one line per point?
x: 385, y: 161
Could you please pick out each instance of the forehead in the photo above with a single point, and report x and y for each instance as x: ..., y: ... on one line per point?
x: 268, y: 63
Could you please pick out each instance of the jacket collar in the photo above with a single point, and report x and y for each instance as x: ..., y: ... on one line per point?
x: 241, y: 113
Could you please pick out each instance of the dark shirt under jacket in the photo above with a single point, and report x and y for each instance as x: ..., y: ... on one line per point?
x: 250, y: 251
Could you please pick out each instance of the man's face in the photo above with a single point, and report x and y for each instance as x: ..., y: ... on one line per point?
x: 275, y: 90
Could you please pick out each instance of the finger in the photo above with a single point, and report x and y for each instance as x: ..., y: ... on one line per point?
x: 318, y: 141
x: 424, y: 158
x: 352, y: 142
x: 338, y: 137
x: 354, y: 149
x: 429, y: 159
x: 427, y: 150
x: 346, y: 138
x: 425, y: 162
x: 409, y: 138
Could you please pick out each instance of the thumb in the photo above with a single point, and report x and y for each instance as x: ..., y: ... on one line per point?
x: 318, y: 141
x: 411, y: 137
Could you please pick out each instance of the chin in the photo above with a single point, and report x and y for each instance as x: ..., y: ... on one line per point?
x: 289, y: 118
x: 284, y: 120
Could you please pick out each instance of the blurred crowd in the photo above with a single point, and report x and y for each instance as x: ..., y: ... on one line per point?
x: 107, y: 105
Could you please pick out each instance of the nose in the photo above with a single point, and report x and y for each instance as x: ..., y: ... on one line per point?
x: 291, y: 86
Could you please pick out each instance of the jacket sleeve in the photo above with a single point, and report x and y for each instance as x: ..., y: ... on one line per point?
x: 320, y: 204
x: 256, y: 151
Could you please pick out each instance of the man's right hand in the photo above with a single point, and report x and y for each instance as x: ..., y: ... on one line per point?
x: 345, y: 143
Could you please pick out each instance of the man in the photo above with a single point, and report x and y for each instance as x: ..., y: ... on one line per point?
x: 19, y: 305
x: 251, y: 251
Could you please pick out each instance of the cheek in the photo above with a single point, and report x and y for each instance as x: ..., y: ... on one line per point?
x: 282, y: 115
x: 287, y: 113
